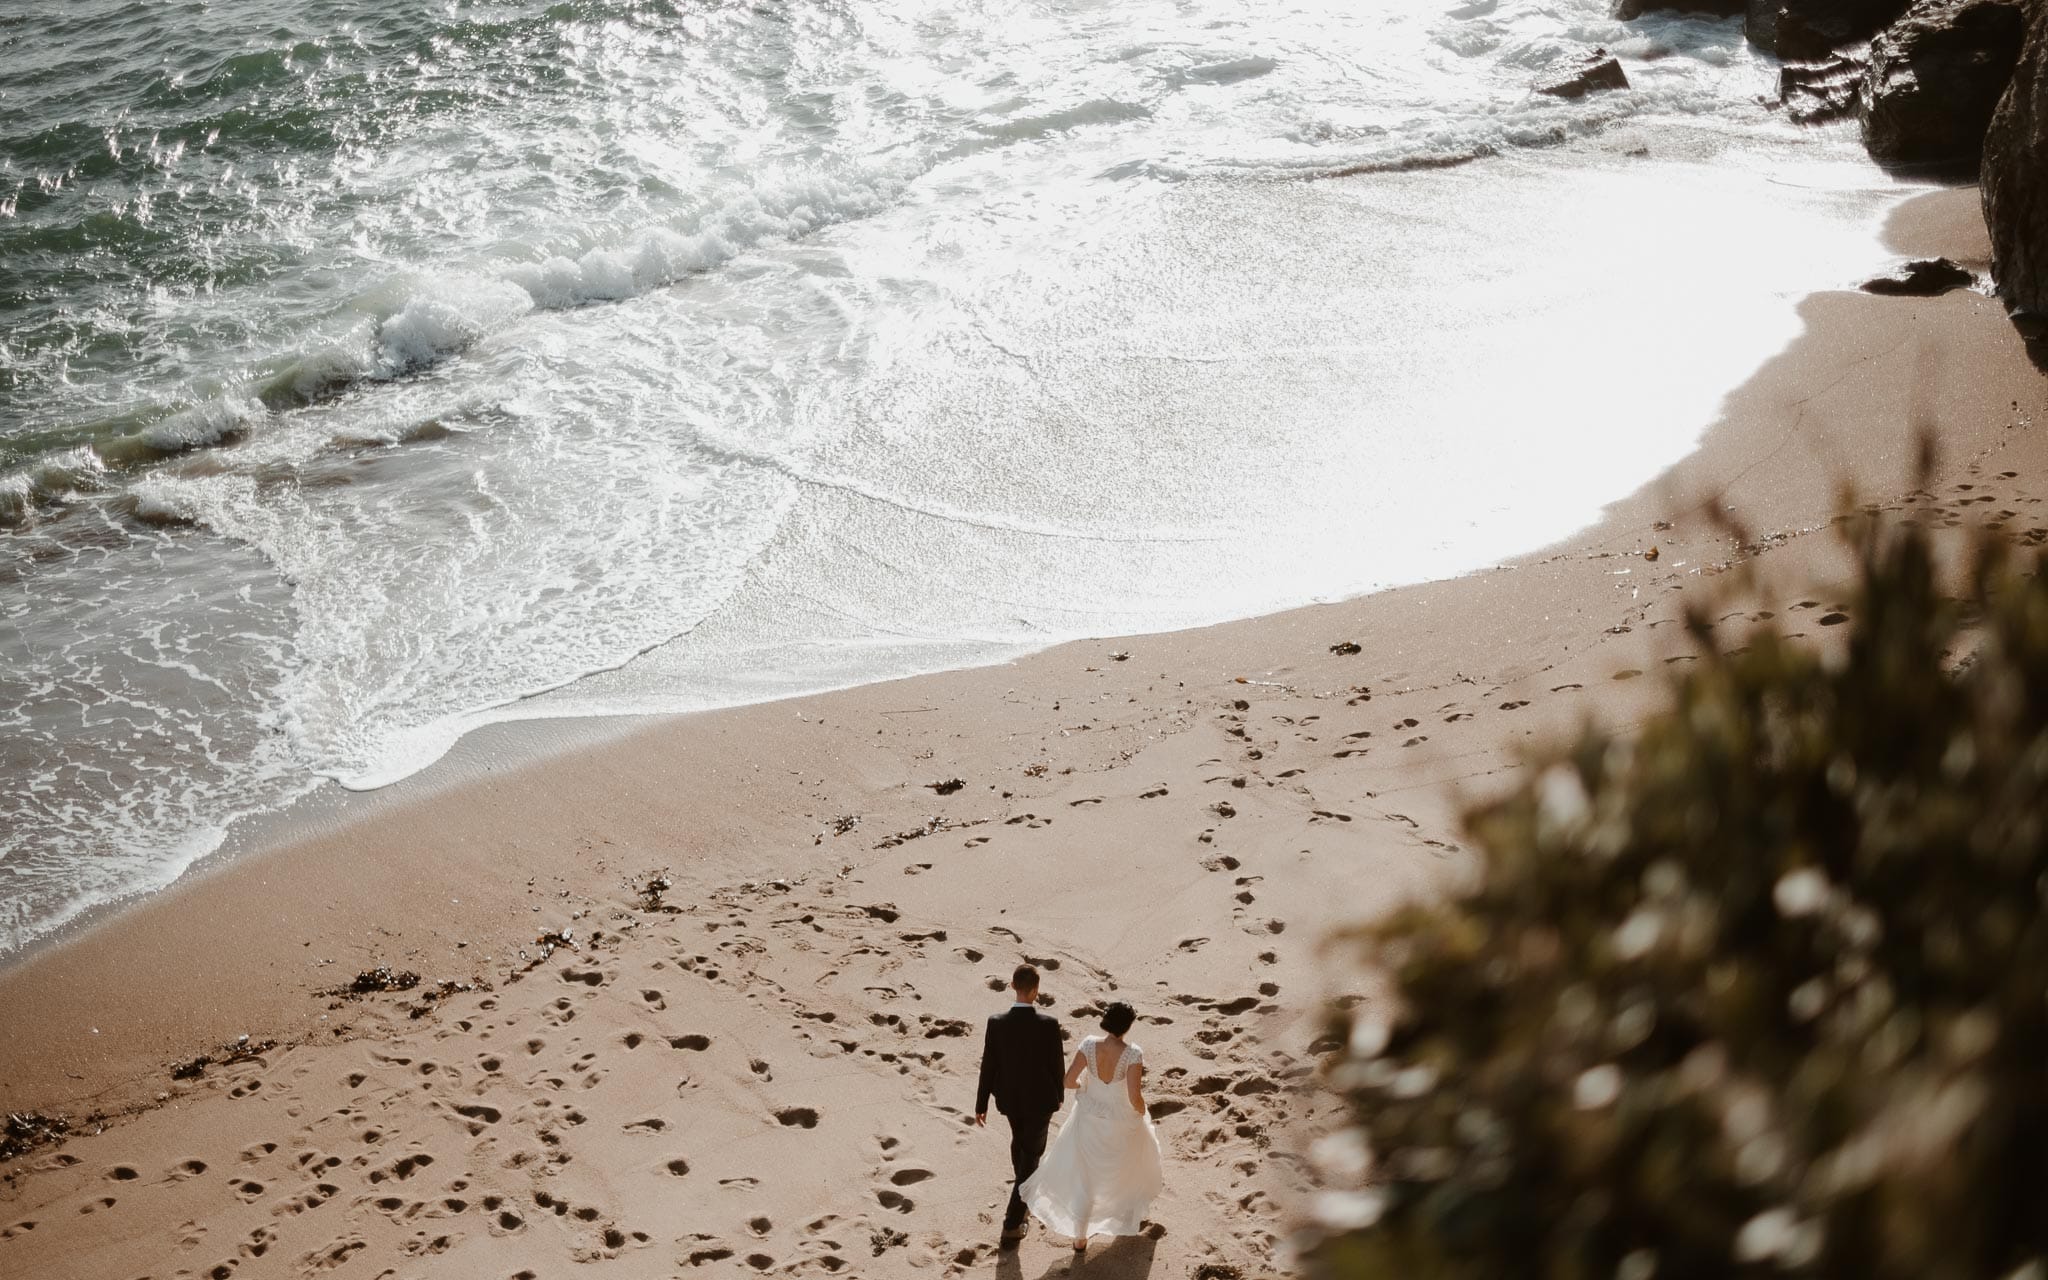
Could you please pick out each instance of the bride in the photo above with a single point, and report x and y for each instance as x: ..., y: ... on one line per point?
x: 1102, y: 1170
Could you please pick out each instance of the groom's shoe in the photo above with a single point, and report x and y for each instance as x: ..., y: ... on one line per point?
x: 1014, y: 1236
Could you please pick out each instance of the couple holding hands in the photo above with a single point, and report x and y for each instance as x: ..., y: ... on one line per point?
x: 1103, y: 1168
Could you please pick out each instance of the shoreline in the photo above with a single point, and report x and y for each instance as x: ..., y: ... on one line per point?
x: 1571, y: 506
x: 1091, y: 782
x: 501, y: 738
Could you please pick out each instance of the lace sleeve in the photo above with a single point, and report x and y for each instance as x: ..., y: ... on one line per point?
x: 1134, y: 1057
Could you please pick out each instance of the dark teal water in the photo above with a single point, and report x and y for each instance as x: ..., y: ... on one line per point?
x: 159, y: 157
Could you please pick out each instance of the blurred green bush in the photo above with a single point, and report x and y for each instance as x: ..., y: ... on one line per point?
x: 1760, y: 990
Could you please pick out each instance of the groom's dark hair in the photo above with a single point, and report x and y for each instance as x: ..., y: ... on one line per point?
x: 1025, y: 979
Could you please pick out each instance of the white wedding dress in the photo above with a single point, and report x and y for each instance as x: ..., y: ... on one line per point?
x: 1102, y: 1170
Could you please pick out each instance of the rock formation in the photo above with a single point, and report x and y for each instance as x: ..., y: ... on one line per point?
x: 1579, y: 77
x: 1934, y: 78
x: 1805, y: 30
x: 1921, y: 278
x: 2015, y: 182
x: 1817, y: 92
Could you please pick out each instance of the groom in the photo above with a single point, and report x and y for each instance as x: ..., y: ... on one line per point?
x: 1023, y: 1067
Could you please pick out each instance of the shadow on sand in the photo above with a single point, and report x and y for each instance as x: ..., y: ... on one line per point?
x: 1125, y: 1258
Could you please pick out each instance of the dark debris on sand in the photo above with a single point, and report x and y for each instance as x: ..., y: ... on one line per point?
x: 381, y: 978
x: 27, y: 1130
x: 548, y: 940
x: 240, y: 1049
x: 441, y: 991
x: 658, y: 883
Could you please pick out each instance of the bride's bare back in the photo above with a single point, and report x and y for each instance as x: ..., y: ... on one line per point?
x: 1107, y: 1054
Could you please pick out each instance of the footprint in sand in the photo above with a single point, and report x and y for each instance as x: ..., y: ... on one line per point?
x: 797, y: 1117
x: 319, y: 1195
x: 420, y: 1246
x: 896, y: 1200
x: 479, y: 1117
x: 334, y: 1255
x: 258, y: 1243
x: 403, y: 1168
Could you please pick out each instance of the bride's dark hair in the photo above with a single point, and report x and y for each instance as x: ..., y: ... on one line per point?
x: 1118, y: 1018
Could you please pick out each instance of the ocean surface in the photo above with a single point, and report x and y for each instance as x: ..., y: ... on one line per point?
x: 373, y: 370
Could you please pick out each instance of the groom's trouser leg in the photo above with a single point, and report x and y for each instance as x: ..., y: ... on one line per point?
x: 1027, y: 1147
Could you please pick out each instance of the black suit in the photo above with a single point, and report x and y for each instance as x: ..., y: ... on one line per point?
x: 1024, y: 1068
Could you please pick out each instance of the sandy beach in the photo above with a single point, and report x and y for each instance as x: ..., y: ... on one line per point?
x: 702, y: 995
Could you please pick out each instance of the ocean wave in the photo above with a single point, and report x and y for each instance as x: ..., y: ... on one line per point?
x: 349, y: 393
x: 417, y: 322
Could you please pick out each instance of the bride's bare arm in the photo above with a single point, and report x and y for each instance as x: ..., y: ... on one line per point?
x: 1074, y: 1071
x: 1135, y: 1075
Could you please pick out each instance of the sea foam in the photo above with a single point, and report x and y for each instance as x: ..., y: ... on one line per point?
x: 759, y: 350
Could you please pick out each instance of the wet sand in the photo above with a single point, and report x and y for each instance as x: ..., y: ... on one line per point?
x: 767, y: 1066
